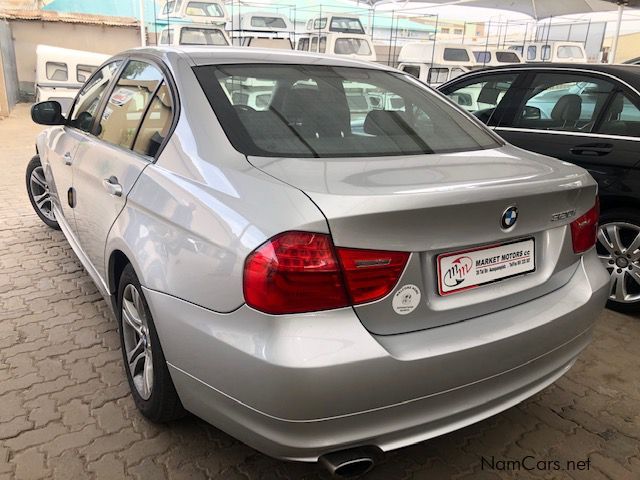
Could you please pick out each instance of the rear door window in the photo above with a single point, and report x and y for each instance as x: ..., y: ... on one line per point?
x: 560, y: 101
x: 622, y: 117
x: 482, y: 96
x: 128, y: 102
x: 156, y: 123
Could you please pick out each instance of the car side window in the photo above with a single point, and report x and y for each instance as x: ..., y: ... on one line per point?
x: 87, y: 102
x: 482, y: 97
x: 123, y: 112
x: 621, y: 117
x: 532, y: 52
x: 156, y: 123
x: 560, y: 101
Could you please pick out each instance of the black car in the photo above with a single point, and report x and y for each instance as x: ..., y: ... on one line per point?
x: 584, y: 114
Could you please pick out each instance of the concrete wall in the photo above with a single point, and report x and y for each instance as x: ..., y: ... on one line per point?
x: 628, y: 47
x: 93, y: 38
x: 8, y: 73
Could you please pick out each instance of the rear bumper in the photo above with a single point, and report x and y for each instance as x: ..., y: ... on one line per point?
x: 299, y: 386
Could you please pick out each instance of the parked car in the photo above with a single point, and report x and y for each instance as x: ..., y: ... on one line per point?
x: 318, y: 293
x: 588, y: 115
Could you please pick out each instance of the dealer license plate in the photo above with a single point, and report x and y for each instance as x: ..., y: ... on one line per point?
x: 471, y: 268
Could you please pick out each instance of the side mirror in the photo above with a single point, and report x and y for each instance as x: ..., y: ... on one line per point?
x: 531, y: 113
x: 47, y: 113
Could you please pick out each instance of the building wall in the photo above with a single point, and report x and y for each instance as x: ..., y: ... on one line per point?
x: 628, y: 47
x: 27, y: 34
x: 8, y: 75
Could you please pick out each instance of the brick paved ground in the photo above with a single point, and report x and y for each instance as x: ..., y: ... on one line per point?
x: 65, y: 411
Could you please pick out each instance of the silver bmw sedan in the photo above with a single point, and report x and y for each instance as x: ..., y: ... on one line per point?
x: 320, y: 256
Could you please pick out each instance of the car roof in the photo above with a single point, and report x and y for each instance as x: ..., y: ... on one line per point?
x: 221, y: 55
x: 627, y: 73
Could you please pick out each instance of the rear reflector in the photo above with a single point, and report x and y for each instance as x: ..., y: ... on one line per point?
x: 297, y: 272
x: 584, y: 229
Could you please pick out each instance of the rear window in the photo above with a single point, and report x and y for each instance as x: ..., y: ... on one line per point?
x: 268, y: 22
x: 202, y: 36
x: 352, y: 46
x: 569, y: 51
x: 324, y: 111
x: 346, y: 25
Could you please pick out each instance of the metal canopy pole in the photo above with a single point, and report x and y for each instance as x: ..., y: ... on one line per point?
x: 614, y: 48
x: 143, y: 34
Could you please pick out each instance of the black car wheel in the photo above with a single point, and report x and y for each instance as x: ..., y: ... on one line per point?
x: 149, y: 380
x: 619, y: 250
x: 39, y: 194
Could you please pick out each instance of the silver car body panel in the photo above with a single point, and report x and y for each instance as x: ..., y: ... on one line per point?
x: 299, y: 386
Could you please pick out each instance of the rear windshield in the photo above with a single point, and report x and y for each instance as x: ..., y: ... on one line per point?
x: 324, y: 111
x: 202, y: 36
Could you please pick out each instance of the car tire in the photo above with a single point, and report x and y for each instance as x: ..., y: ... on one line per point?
x: 38, y: 192
x: 149, y: 379
x: 619, y: 260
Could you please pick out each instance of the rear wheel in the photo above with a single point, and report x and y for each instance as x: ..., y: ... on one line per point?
x: 39, y: 194
x: 619, y: 250
x: 149, y: 379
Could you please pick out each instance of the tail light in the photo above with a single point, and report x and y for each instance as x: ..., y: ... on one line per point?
x: 584, y: 229
x: 298, y: 272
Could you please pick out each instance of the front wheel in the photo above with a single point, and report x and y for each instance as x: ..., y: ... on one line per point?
x: 149, y: 380
x: 39, y: 193
x: 619, y: 251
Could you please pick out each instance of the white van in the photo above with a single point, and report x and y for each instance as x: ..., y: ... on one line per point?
x: 558, y: 51
x: 200, y: 11
x: 61, y: 72
x: 266, y: 30
x: 344, y: 44
x: 494, y: 56
x: 435, y: 63
x: 193, y: 34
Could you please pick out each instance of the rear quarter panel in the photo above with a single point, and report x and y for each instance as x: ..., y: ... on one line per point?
x: 193, y: 216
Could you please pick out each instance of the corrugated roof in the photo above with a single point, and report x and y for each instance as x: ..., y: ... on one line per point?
x: 82, y: 18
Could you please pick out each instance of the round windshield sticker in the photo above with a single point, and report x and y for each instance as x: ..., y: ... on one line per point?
x: 406, y: 299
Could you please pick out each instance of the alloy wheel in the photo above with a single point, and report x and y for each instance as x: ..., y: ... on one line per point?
x: 137, y: 341
x: 40, y: 193
x: 619, y: 251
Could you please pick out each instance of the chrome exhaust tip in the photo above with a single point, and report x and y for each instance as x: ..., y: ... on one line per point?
x: 350, y: 463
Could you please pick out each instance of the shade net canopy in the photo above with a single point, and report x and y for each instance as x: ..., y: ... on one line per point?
x: 538, y: 9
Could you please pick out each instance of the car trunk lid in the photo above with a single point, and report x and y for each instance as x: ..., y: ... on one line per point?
x: 432, y: 205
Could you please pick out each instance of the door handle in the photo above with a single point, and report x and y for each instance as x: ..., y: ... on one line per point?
x: 112, y: 186
x: 592, y: 149
x: 67, y: 159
